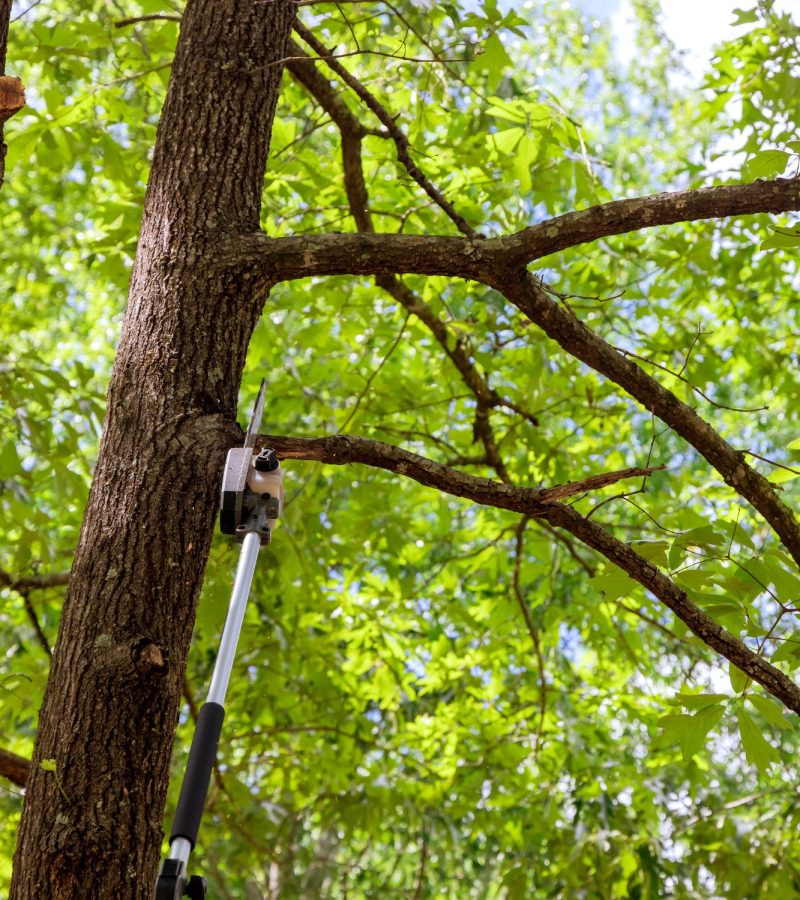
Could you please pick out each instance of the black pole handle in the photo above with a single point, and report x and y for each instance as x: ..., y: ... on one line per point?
x: 198, y: 773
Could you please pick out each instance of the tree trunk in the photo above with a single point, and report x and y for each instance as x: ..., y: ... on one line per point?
x: 92, y: 827
x: 5, y: 17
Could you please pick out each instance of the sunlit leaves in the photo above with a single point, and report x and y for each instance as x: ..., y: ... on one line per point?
x: 757, y: 749
x: 765, y: 164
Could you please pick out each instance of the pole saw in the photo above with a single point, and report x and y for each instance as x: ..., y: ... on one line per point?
x: 251, y: 502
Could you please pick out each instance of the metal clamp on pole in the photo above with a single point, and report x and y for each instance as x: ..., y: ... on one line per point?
x: 251, y: 503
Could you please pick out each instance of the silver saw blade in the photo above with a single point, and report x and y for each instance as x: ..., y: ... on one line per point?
x: 255, y: 419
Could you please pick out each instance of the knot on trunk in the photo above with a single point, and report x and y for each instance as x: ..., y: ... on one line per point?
x: 142, y: 657
x: 149, y: 659
x: 12, y: 97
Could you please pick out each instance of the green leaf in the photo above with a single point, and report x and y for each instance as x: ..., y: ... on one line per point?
x: 769, y: 710
x: 614, y: 583
x: 780, y: 239
x: 691, y: 731
x: 699, y: 701
x: 788, y: 651
x: 744, y: 16
x: 739, y: 679
x: 504, y: 142
x: 765, y: 164
x: 757, y: 749
x: 494, y: 60
x: 49, y: 765
x: 782, y: 476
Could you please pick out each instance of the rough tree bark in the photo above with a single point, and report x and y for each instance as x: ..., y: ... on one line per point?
x: 5, y: 17
x: 12, y: 95
x: 92, y: 828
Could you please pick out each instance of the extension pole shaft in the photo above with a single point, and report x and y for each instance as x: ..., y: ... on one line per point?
x: 233, y: 622
x: 209, y: 721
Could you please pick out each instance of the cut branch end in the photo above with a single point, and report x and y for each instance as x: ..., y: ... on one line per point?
x: 12, y: 97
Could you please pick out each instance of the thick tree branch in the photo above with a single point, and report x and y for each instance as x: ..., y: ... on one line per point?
x: 574, y: 337
x: 343, y: 449
x: 14, y: 768
x: 283, y: 259
x: 622, y: 216
x: 303, y: 256
x: 388, y: 254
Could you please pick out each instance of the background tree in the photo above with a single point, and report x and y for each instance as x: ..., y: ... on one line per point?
x: 437, y: 694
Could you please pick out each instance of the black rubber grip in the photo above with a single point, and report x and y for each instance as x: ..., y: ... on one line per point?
x: 198, y: 773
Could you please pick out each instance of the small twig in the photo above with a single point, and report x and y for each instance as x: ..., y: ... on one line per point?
x: 152, y: 17
x: 594, y: 482
x: 741, y: 409
x: 374, y: 374
x: 772, y: 462
x: 34, y: 620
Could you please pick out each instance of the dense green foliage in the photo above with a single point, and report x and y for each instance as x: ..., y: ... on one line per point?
x: 397, y: 726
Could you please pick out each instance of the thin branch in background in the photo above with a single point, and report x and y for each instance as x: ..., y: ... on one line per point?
x: 15, y: 768
x: 423, y: 858
x: 34, y: 620
x: 568, y: 545
x: 374, y: 374
x: 152, y: 17
x: 188, y: 696
x: 691, y: 350
x: 332, y: 57
x: 24, y: 586
x: 688, y: 383
x: 654, y: 623
x: 519, y: 547
x: 33, y: 582
x: 26, y: 11
x: 772, y: 462
x: 482, y: 431
x: 389, y: 122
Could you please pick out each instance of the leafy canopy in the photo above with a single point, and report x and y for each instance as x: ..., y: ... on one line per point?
x: 397, y: 721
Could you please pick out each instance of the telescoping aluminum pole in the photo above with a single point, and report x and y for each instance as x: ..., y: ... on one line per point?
x: 252, y: 500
